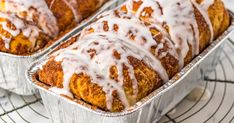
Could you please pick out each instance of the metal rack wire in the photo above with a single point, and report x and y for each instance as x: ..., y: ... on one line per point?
x: 23, y: 109
x: 218, y: 107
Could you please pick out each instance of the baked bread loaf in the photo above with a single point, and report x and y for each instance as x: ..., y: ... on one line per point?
x: 26, y: 26
x: 129, y: 52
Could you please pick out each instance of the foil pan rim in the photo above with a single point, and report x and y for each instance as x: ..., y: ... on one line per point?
x: 153, y: 95
x: 67, y: 35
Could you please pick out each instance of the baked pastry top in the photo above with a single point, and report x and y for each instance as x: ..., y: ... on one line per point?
x: 130, y: 51
x: 27, y: 26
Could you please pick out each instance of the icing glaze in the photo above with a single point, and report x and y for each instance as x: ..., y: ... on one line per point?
x: 129, y: 34
x: 22, y: 14
x: 179, y: 16
x: 203, y: 9
x: 73, y: 5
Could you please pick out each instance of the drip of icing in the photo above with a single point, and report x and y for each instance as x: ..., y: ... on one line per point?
x: 72, y: 4
x: 78, y: 61
x: 46, y: 20
x: 152, y: 61
x: 7, y: 40
x: 141, y: 32
x: 143, y: 36
x: 179, y: 16
x: 99, y: 65
x: 16, y: 21
x: 19, y: 13
x: 120, y: 69
x: 203, y: 9
x: 51, y: 4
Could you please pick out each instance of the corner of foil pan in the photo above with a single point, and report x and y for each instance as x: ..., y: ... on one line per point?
x: 196, y: 61
x: 155, y: 94
x: 65, y: 37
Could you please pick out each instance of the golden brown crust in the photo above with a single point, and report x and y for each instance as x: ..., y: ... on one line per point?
x: 63, y: 14
x: 169, y: 62
x: 147, y: 79
x: 219, y: 17
x: 65, y: 18
x: 21, y: 45
x: 204, y: 35
x: 52, y: 74
x: 81, y: 85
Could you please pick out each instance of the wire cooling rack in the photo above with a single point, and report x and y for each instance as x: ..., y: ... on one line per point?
x: 21, y: 109
x: 215, y: 103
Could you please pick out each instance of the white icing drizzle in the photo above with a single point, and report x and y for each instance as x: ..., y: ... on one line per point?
x: 73, y: 5
x: 179, y: 16
x: 203, y: 9
x: 51, y: 4
x: 93, y: 53
x: 152, y: 61
x: 80, y: 61
x: 7, y: 40
x: 21, y: 14
x: 143, y: 36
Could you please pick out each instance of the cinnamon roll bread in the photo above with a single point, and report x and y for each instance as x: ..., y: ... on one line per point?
x: 129, y: 52
x: 26, y: 26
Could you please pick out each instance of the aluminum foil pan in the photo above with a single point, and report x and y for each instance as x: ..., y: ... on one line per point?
x: 149, y: 109
x: 13, y: 67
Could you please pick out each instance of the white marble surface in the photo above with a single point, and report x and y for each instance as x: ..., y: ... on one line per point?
x: 24, y: 109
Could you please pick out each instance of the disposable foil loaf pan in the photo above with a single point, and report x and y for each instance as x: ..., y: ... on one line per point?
x: 150, y: 109
x: 13, y: 67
